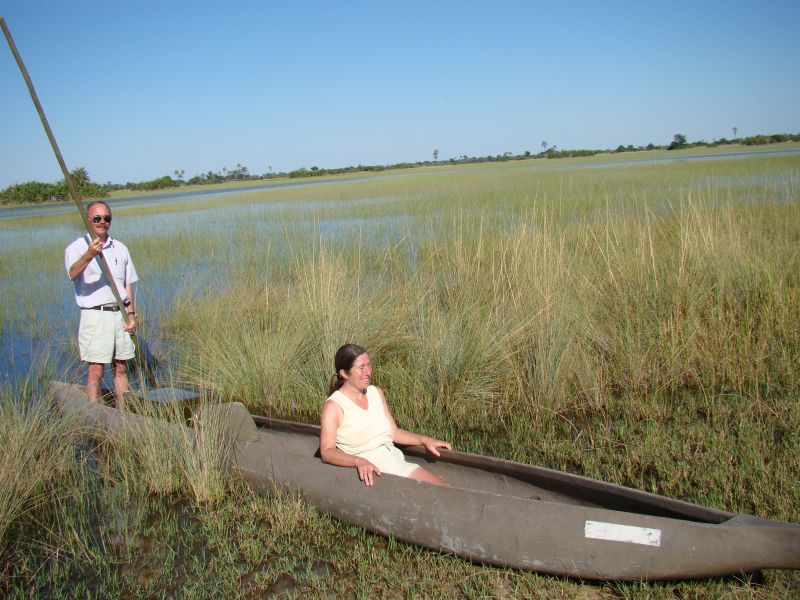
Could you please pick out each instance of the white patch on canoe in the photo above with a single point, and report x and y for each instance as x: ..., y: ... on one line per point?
x: 614, y: 532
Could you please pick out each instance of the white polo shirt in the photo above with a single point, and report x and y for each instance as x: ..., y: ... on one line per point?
x: 91, y: 286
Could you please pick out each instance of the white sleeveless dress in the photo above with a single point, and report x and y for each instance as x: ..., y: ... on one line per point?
x: 367, y: 433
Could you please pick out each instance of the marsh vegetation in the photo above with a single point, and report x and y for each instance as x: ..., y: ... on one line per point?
x: 634, y: 323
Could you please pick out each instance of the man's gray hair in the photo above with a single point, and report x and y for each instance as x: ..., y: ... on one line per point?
x: 93, y: 202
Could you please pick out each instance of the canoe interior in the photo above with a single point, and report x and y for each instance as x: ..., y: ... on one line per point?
x: 497, y: 476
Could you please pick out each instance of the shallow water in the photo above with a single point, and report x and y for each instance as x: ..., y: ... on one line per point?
x: 41, y: 317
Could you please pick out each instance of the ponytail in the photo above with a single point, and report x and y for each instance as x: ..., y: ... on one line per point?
x: 335, y: 383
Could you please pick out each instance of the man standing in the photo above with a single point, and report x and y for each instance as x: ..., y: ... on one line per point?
x: 103, y: 335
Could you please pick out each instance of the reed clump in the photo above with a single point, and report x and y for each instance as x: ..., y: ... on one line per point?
x: 37, y: 470
x: 35, y: 454
x: 254, y: 336
x: 154, y: 450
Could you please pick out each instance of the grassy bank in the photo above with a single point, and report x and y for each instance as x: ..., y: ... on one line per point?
x: 639, y: 324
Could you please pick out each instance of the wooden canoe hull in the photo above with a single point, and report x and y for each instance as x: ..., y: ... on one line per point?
x: 500, y: 512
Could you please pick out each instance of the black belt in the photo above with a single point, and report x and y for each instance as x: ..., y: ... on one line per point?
x: 102, y: 307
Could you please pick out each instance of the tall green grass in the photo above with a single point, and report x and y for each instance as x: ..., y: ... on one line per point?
x: 160, y: 454
x: 640, y: 324
x: 698, y: 297
x: 590, y: 336
x: 75, y: 504
x: 35, y: 455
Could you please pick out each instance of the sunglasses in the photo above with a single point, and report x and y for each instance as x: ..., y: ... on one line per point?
x: 98, y: 218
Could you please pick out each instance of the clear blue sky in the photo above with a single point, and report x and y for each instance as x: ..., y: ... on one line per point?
x: 134, y: 90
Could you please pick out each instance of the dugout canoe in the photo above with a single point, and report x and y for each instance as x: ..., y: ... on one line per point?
x: 493, y: 511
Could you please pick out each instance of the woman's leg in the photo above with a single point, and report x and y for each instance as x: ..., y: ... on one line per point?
x: 421, y: 474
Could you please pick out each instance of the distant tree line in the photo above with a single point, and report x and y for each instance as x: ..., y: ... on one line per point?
x: 34, y: 192
x: 237, y: 174
x: 316, y: 171
x: 154, y: 184
x: 679, y: 140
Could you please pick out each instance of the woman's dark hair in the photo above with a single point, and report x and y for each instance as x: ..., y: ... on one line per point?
x: 344, y: 359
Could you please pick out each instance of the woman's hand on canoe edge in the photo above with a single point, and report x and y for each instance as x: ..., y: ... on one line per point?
x: 366, y: 470
x: 432, y: 445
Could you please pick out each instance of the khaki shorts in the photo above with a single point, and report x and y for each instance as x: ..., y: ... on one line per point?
x: 102, y: 337
x: 389, y: 459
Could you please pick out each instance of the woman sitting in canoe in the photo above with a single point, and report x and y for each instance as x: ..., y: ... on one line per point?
x: 358, y: 429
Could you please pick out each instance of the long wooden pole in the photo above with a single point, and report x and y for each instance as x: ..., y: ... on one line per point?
x: 74, y: 195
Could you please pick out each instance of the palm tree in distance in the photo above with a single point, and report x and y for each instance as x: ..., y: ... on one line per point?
x: 79, y: 177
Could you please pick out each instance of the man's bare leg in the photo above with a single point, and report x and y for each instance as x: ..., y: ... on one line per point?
x: 120, y: 382
x: 93, y: 378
